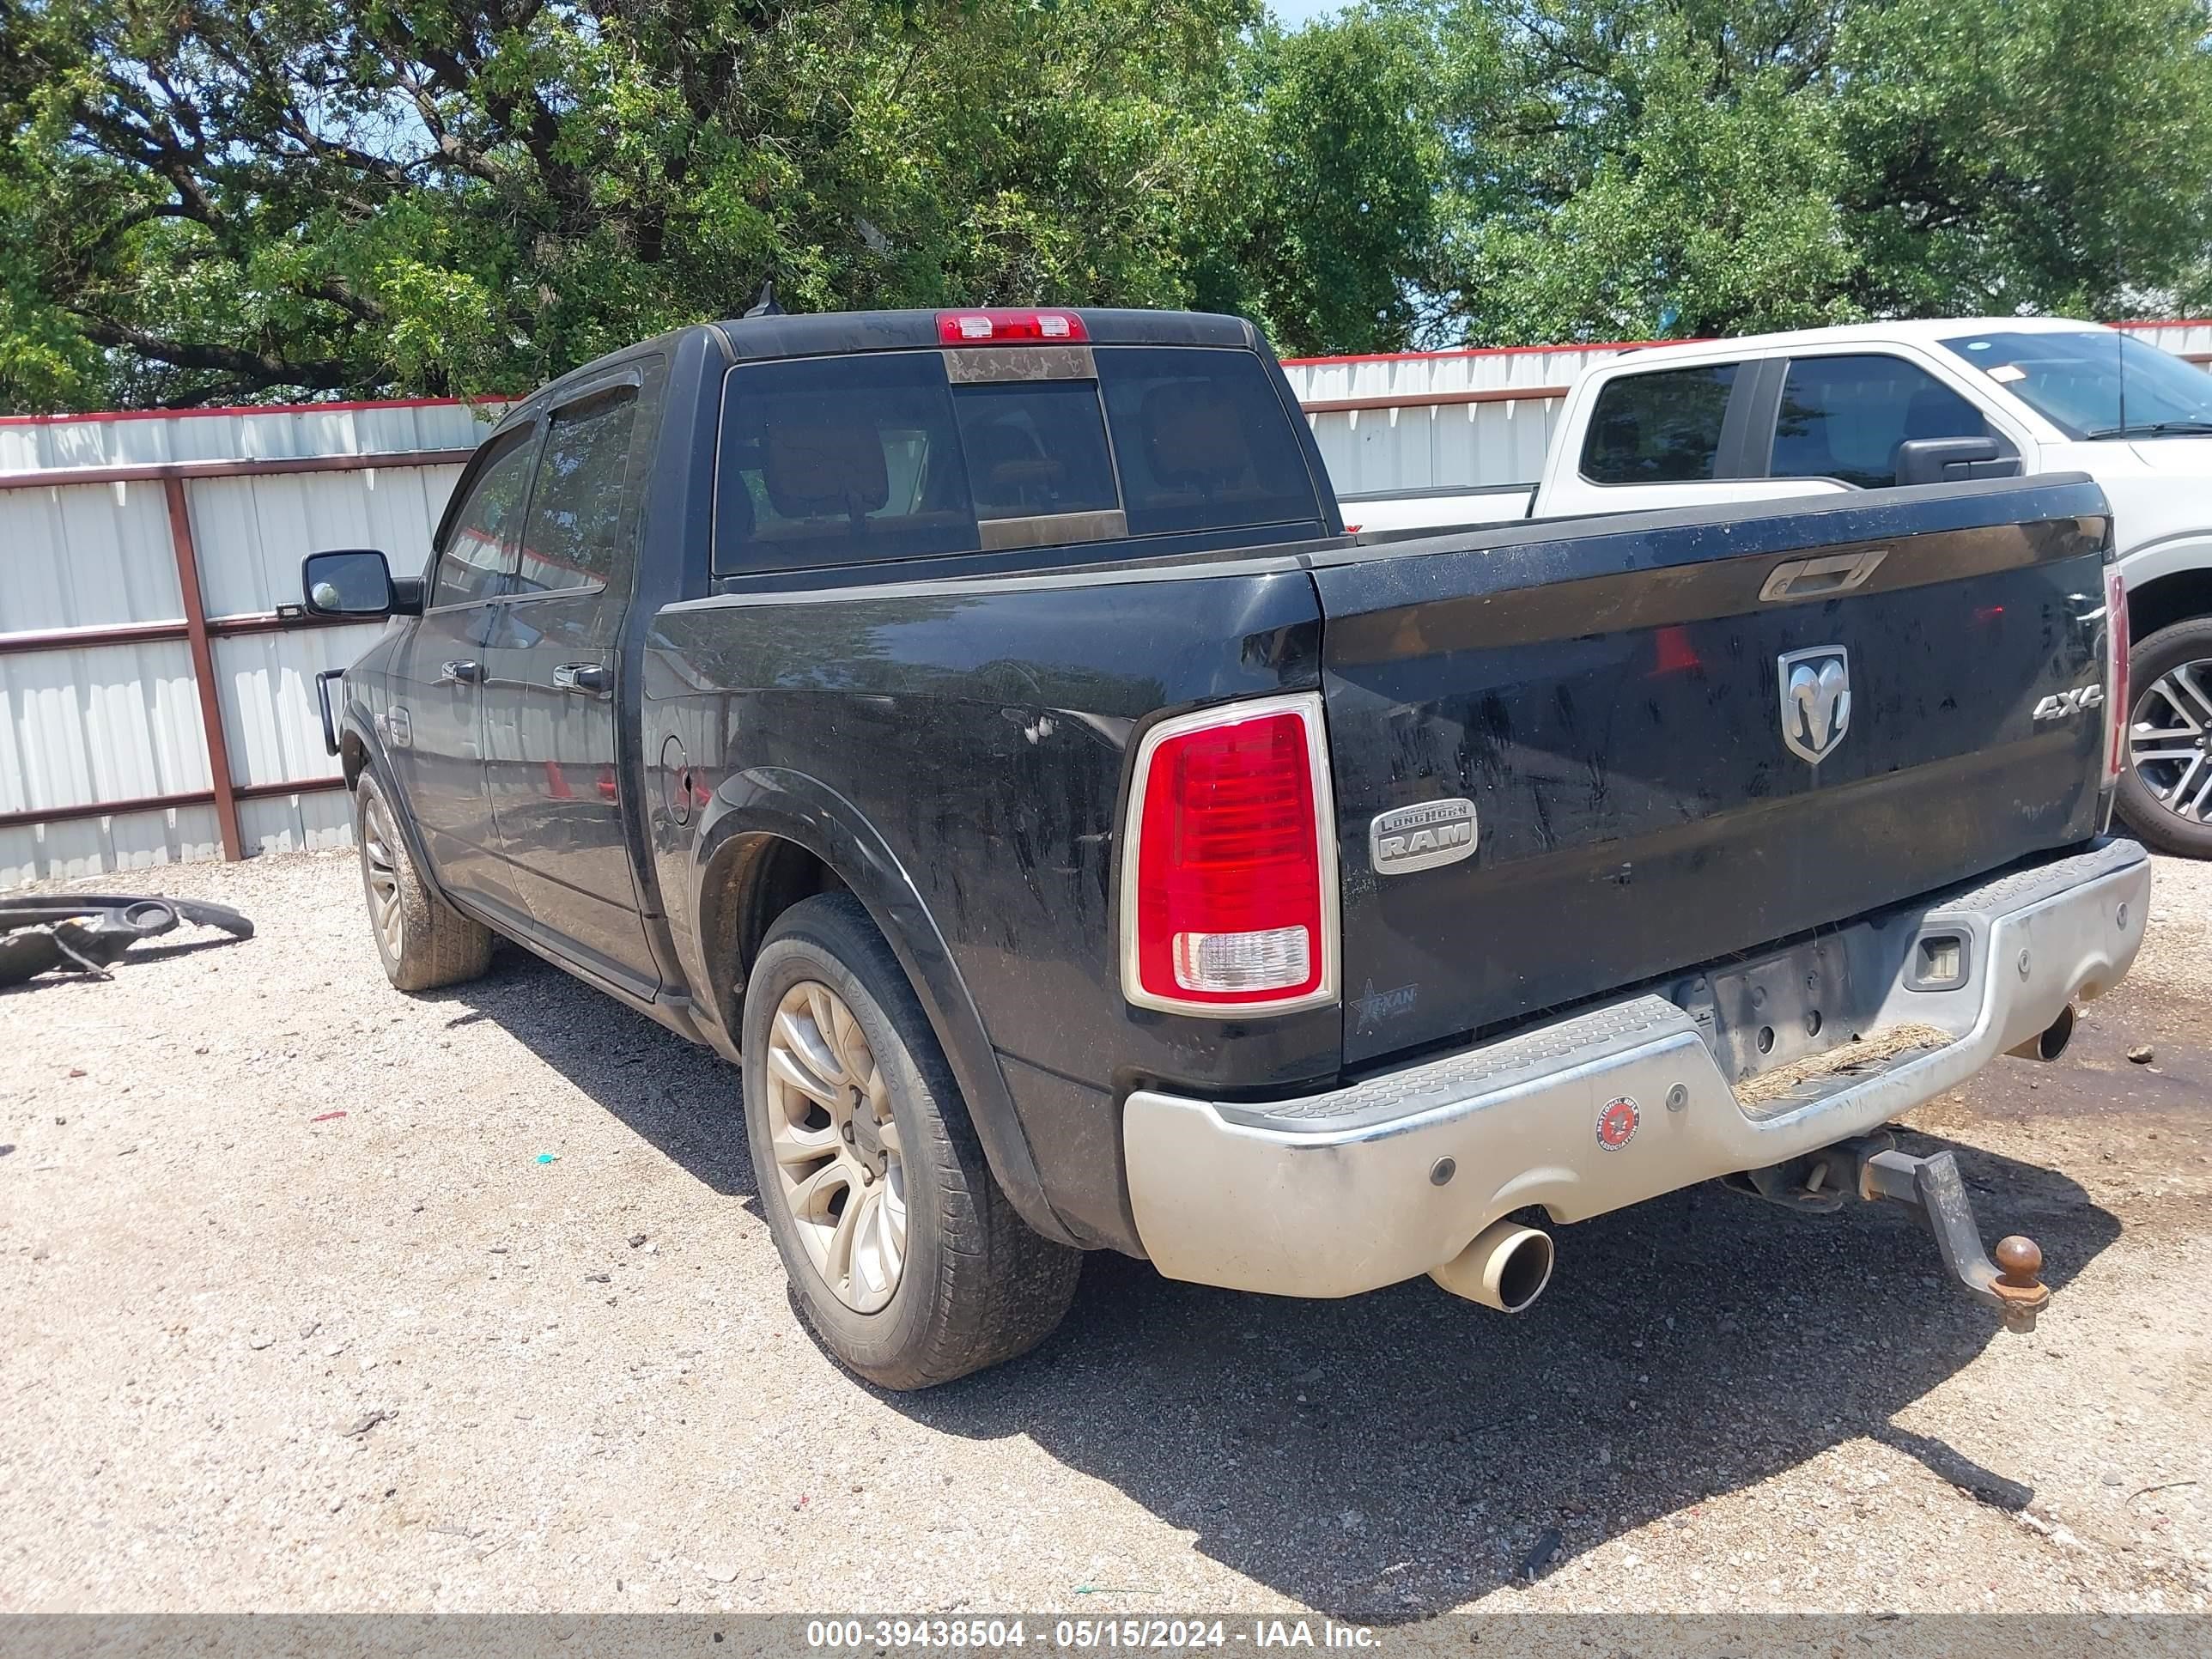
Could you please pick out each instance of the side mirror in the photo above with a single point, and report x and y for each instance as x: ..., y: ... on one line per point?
x: 1951, y: 460
x: 352, y: 582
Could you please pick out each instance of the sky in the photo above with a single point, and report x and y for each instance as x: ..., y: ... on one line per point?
x: 1292, y: 13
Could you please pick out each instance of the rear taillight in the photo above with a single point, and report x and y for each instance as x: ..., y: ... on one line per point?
x: 1229, y: 879
x: 2116, y: 674
x: 994, y: 327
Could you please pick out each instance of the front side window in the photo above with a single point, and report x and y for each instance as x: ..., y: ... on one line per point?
x: 1843, y: 418
x: 1659, y: 428
x: 478, y: 562
x: 575, y: 535
x: 2094, y: 383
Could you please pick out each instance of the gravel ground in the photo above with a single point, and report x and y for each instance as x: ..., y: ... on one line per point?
x: 266, y: 1356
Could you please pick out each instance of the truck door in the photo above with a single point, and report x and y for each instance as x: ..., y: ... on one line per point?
x: 433, y: 723
x: 556, y: 789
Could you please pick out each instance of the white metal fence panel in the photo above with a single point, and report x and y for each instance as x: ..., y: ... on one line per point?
x: 267, y: 686
x: 2182, y: 339
x: 238, y: 435
x: 85, y: 557
x: 1431, y: 419
x: 297, y: 824
x: 70, y: 849
x: 263, y: 526
x: 120, y: 720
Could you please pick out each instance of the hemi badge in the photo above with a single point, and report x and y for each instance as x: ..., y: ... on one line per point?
x: 1421, y: 837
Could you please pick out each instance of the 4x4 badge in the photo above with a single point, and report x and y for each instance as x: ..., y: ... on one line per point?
x: 1816, y: 700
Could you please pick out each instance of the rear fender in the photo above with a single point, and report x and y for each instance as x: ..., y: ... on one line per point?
x: 804, y: 810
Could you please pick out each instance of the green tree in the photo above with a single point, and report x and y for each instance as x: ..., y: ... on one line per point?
x: 216, y: 199
x: 1336, y: 150
x: 1654, y: 166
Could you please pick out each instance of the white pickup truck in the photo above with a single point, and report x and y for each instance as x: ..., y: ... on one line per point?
x: 1830, y: 410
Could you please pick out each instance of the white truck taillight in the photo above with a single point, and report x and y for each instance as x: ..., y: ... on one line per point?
x: 1229, y: 869
x: 2116, y: 674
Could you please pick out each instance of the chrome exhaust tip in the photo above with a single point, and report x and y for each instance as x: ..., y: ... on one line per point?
x: 1506, y: 1268
x: 2052, y: 1041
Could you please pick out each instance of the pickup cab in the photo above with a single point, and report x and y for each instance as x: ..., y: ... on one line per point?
x: 977, y: 727
x: 1834, y: 410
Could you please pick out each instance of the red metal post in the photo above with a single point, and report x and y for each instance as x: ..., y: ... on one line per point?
x: 195, y: 634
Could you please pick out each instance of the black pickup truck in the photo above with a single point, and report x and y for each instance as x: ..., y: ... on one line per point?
x: 978, y: 726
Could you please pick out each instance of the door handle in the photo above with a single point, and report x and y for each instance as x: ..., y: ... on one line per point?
x: 463, y: 672
x: 588, y: 676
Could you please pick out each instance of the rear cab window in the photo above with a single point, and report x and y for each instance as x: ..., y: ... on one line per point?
x: 908, y: 455
x: 1663, y: 427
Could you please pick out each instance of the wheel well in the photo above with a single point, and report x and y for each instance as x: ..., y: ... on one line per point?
x: 751, y: 882
x: 2171, y: 599
x: 352, y: 756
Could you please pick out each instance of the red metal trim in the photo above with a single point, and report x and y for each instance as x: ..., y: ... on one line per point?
x: 110, y: 809
x: 183, y: 471
x: 146, y: 632
x: 249, y: 409
x: 75, y: 639
x: 1489, y: 351
x: 1502, y: 394
x: 204, y: 680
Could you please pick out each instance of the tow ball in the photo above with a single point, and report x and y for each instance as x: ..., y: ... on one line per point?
x: 1873, y: 1169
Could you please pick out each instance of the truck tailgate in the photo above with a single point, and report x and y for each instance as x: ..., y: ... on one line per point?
x: 1612, y: 696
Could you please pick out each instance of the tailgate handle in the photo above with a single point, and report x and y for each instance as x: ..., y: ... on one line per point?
x: 1822, y: 578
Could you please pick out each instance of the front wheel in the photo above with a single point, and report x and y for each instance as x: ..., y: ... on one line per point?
x: 905, y: 1257
x: 422, y: 941
x: 2165, y: 790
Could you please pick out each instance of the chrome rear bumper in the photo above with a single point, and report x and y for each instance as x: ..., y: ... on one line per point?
x: 1383, y: 1179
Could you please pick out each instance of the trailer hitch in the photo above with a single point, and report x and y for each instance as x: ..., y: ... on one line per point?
x: 1878, y: 1173
x: 1934, y: 1186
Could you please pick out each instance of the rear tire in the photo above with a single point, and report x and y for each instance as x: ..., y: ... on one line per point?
x: 903, y: 1255
x: 2166, y: 786
x: 422, y: 941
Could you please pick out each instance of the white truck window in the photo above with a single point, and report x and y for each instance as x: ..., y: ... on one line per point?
x: 1659, y: 428
x: 2096, y: 383
x: 1843, y: 418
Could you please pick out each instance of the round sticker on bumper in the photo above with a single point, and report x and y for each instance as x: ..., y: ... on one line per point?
x: 1617, y: 1122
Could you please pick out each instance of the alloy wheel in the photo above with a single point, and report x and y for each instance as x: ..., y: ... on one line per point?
x: 381, y: 855
x: 838, y: 1159
x: 2170, y: 740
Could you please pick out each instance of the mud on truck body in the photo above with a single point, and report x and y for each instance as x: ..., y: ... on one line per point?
x: 978, y: 727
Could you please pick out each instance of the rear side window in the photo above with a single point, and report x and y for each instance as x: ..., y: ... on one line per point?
x: 576, y: 535
x: 1660, y: 428
x: 1203, y: 440
x: 1843, y: 418
x: 476, y: 562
